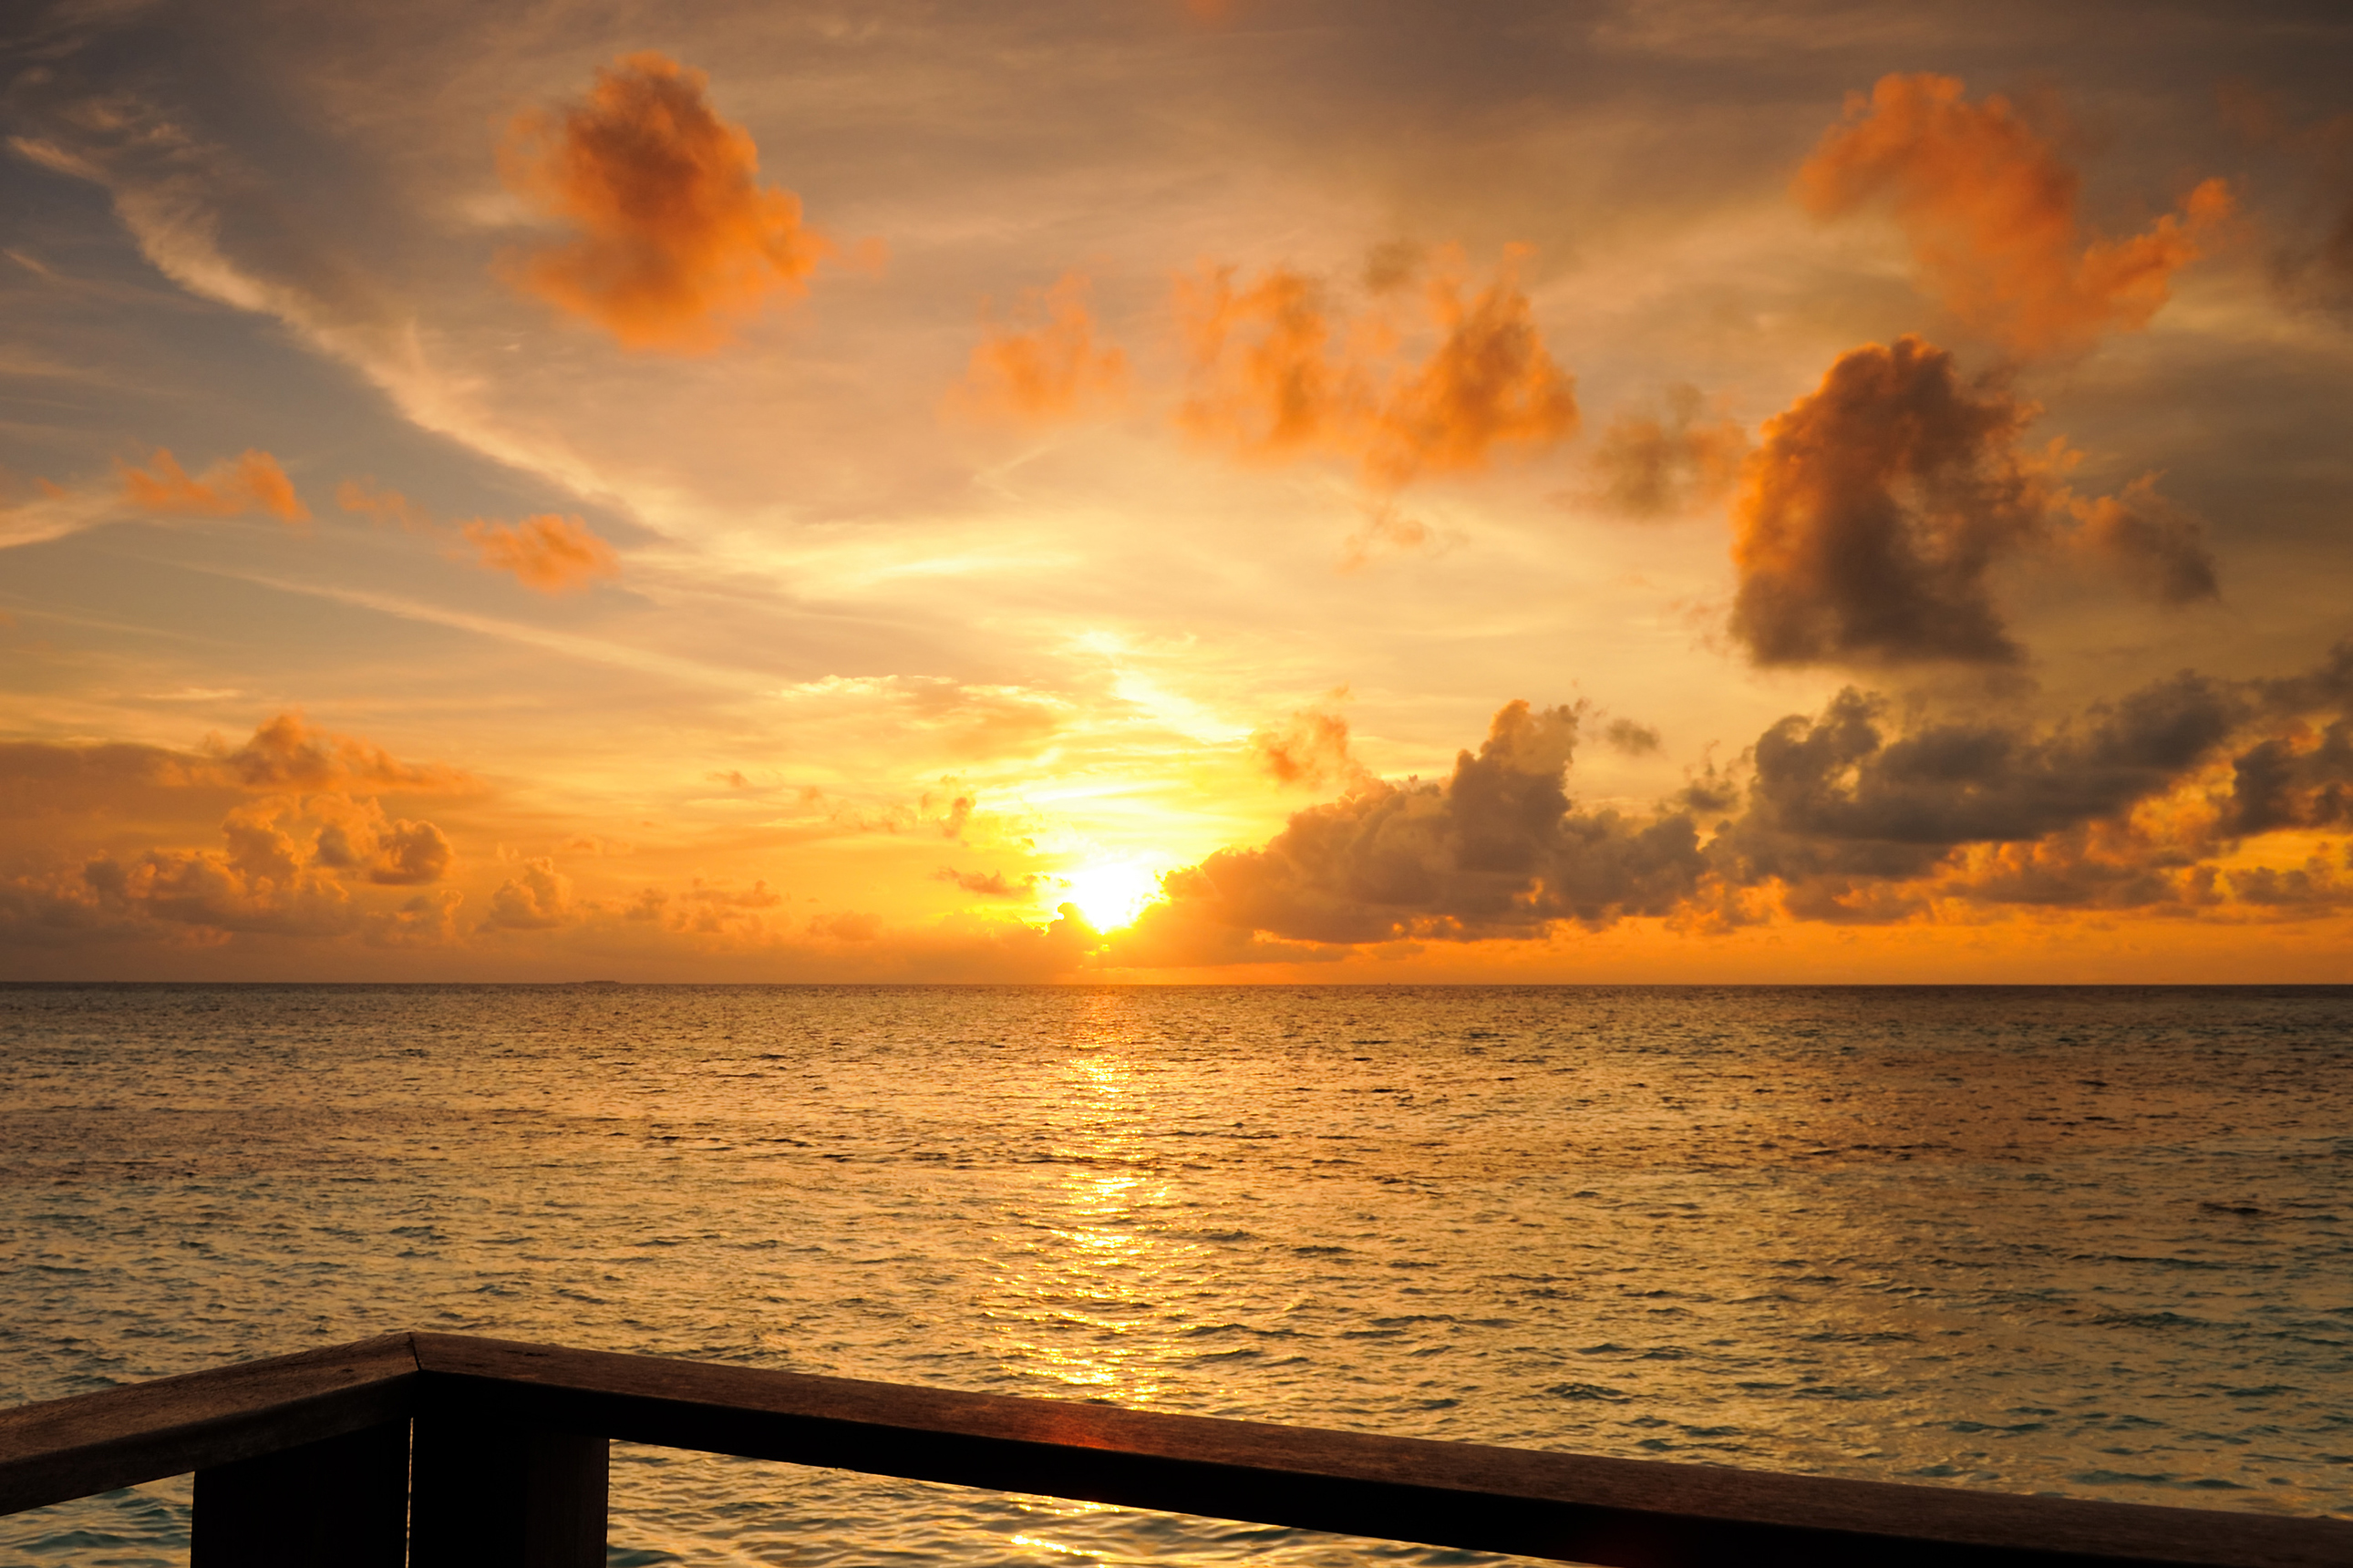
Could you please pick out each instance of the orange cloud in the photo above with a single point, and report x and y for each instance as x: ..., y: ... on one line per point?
x: 677, y: 241
x: 1491, y: 383
x: 260, y: 883
x: 1872, y: 515
x: 383, y: 506
x: 1990, y: 209
x: 253, y: 483
x: 396, y: 853
x: 1267, y: 385
x: 1311, y: 749
x: 553, y: 554
x: 1277, y: 374
x: 535, y: 899
x: 1049, y: 370
x: 289, y: 755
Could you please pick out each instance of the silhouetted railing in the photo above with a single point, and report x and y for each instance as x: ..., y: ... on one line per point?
x: 444, y: 1451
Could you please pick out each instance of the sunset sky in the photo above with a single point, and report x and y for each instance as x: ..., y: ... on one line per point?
x: 1330, y: 491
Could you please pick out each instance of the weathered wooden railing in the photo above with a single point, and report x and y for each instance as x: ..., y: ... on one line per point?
x: 449, y: 1452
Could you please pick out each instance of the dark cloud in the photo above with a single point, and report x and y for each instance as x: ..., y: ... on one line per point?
x: 2319, y: 886
x: 1877, y: 509
x: 1496, y: 850
x: 1843, y: 794
x: 1634, y: 740
x: 1873, y: 512
x: 1850, y: 815
x: 2149, y: 540
x: 2299, y: 779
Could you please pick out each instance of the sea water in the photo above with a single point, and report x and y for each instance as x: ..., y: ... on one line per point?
x: 2096, y: 1242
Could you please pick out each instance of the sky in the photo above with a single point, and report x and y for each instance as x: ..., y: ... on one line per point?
x: 1239, y: 490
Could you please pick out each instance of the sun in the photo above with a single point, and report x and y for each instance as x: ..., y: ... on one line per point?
x: 1112, y: 893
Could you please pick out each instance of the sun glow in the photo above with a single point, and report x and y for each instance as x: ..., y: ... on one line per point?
x: 1112, y: 894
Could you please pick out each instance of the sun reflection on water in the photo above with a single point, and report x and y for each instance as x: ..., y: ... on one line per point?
x: 1096, y: 1275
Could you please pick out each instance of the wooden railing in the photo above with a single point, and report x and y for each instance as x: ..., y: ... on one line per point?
x: 444, y: 1451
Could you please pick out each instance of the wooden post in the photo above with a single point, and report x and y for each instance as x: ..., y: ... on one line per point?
x: 490, y: 1495
x: 340, y: 1502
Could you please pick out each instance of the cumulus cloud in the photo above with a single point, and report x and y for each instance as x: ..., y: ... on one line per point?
x: 1278, y: 372
x: 1846, y: 796
x: 1649, y: 467
x: 289, y: 754
x: 675, y: 242
x: 1046, y: 364
x: 1989, y: 207
x: 1852, y: 815
x: 260, y: 883
x: 536, y: 897
x: 2299, y: 778
x: 407, y: 853
x: 394, y: 852
x: 269, y: 877
x: 2320, y: 885
x: 1875, y: 510
x: 250, y: 483
x: 549, y: 553
x: 1497, y: 849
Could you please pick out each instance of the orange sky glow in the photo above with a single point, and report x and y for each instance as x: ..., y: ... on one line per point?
x: 1257, y: 492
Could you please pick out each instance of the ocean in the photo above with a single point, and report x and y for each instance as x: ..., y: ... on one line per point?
x: 2092, y: 1241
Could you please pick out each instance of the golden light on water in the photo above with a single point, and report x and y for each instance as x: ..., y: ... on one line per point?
x: 1097, y: 1273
